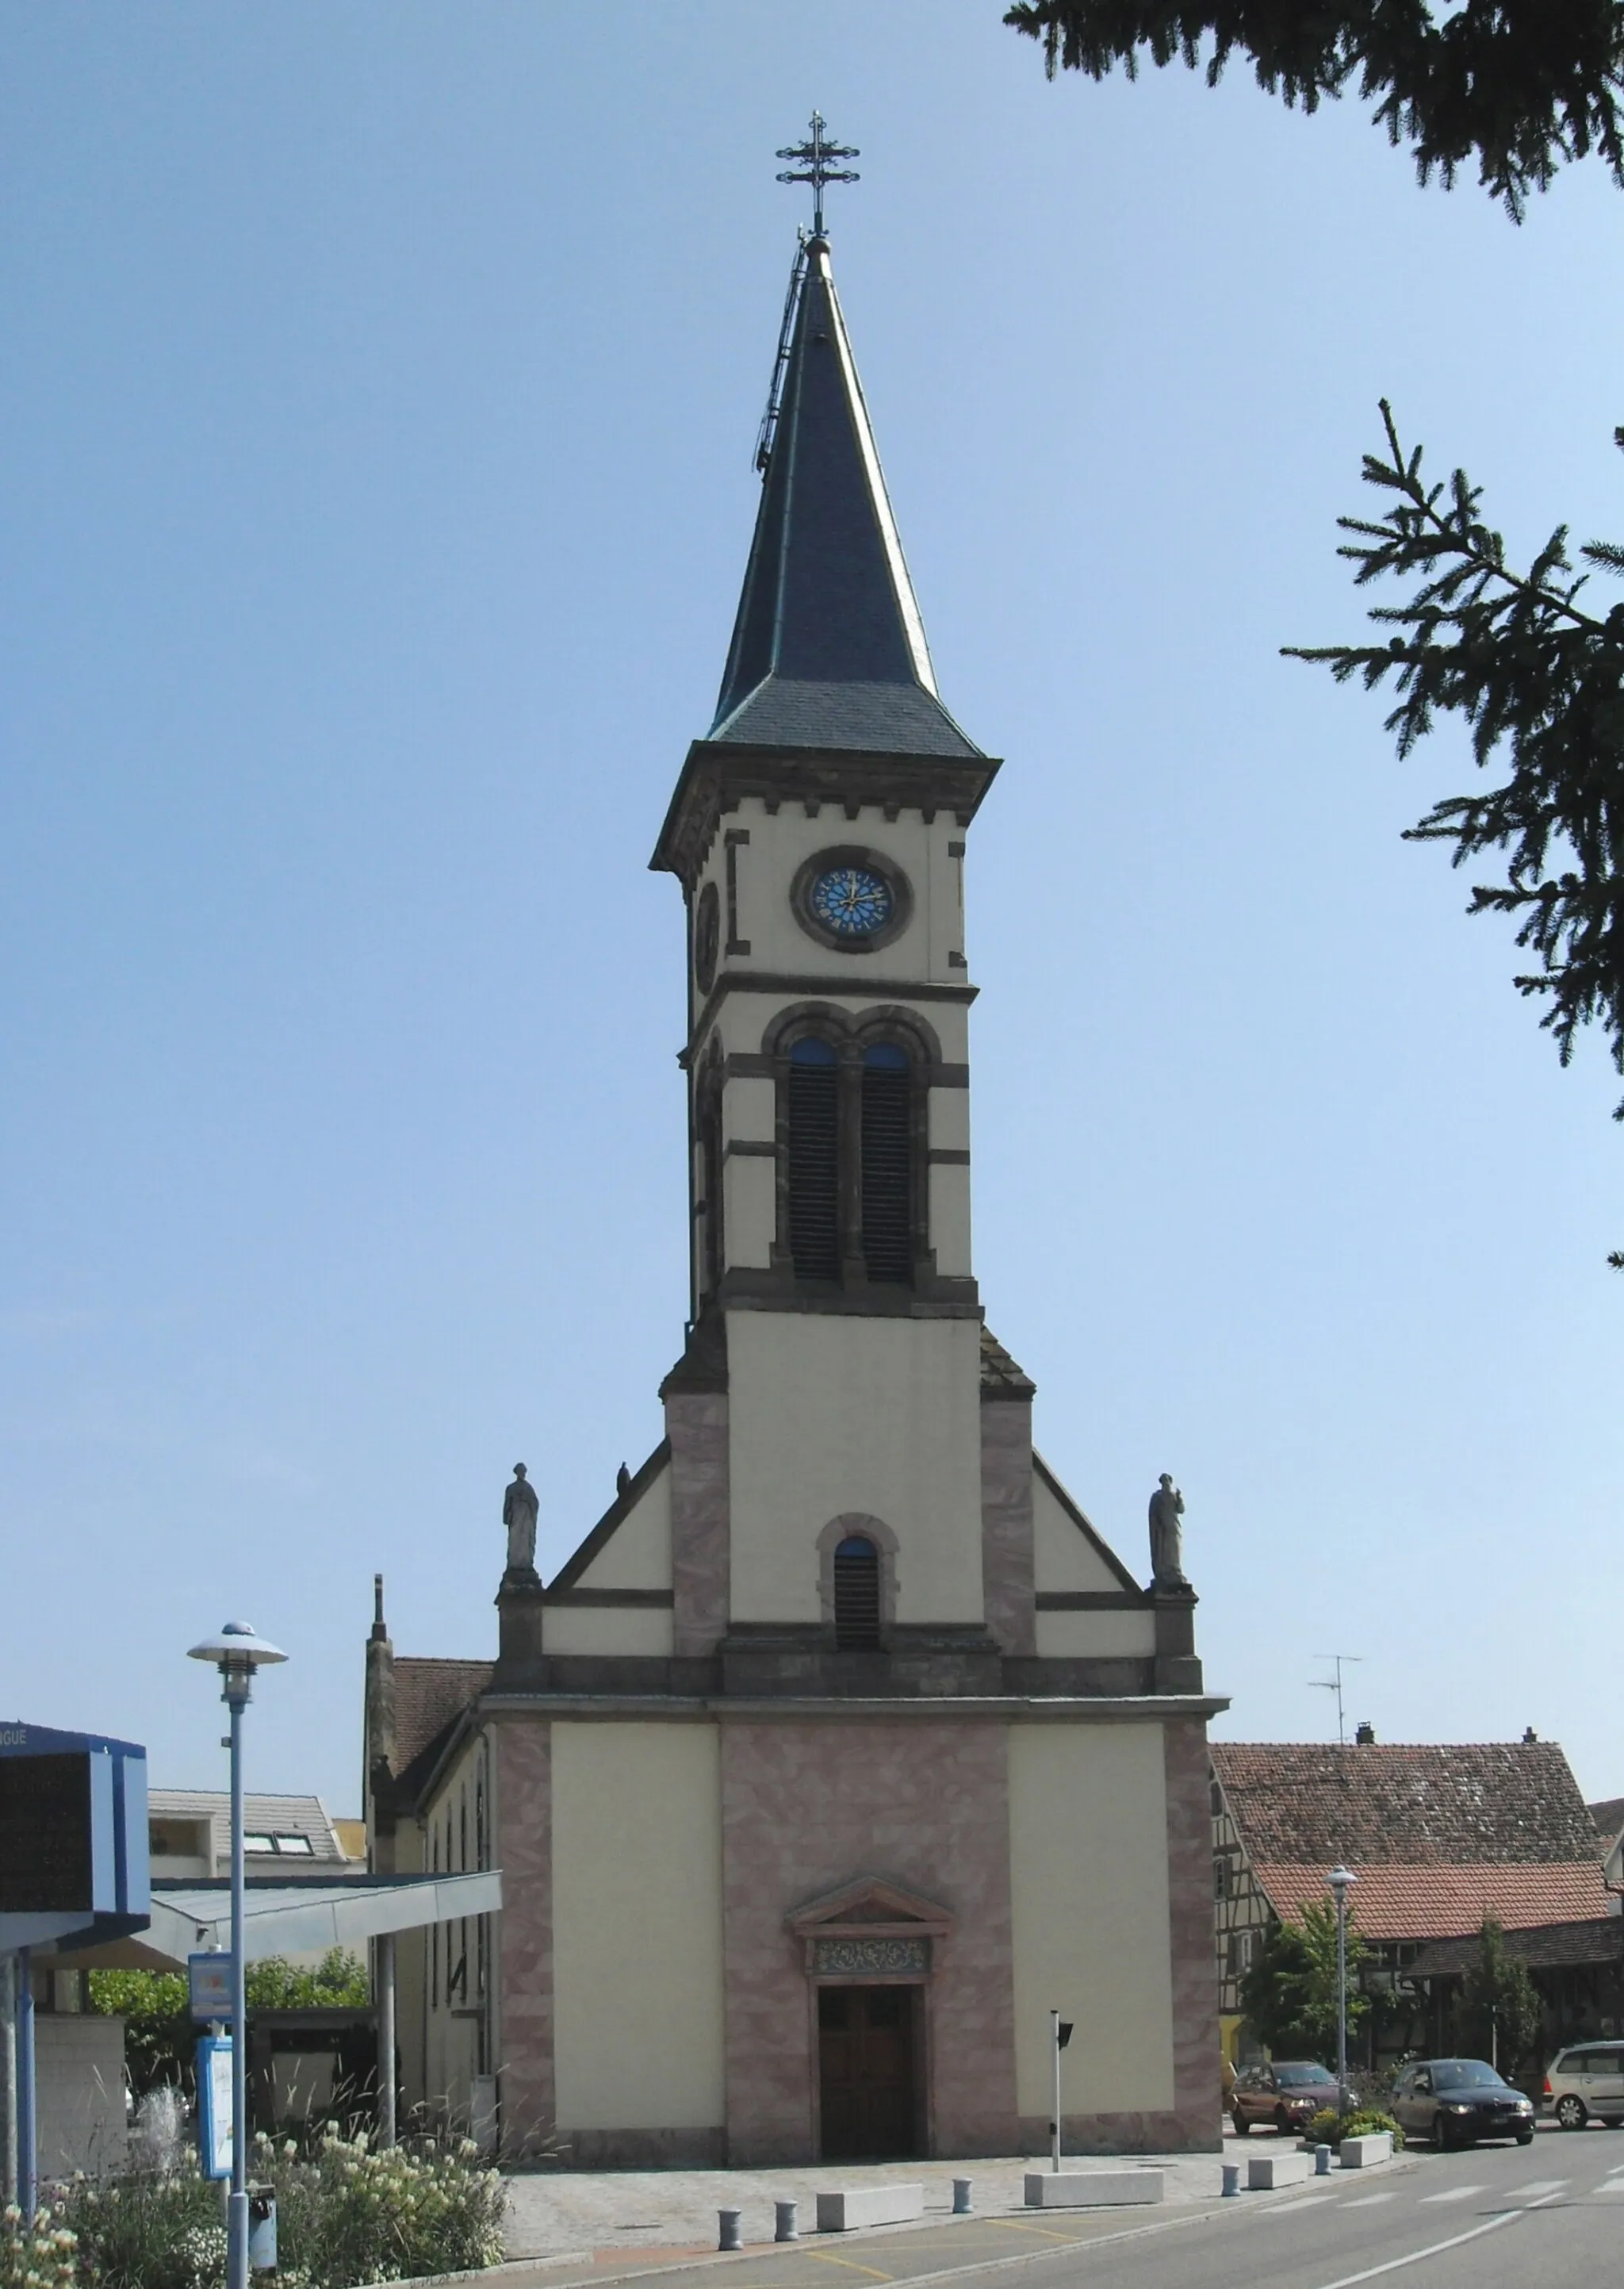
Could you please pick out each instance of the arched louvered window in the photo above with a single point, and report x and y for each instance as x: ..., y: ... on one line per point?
x: 856, y: 1594
x: 814, y: 1161
x: 888, y: 1162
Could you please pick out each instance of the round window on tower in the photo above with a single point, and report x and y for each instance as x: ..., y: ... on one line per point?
x: 707, y: 927
x: 854, y: 900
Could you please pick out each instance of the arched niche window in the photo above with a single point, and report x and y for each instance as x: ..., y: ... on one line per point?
x: 814, y: 1172
x: 856, y: 1594
x: 887, y: 1144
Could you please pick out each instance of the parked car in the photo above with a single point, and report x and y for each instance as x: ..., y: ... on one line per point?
x: 1456, y: 2101
x: 1587, y: 2079
x: 1287, y: 2093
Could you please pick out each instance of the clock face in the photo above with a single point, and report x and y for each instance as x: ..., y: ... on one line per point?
x: 853, y: 902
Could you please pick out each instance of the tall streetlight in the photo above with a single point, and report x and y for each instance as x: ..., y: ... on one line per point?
x: 1342, y: 1880
x: 236, y: 1653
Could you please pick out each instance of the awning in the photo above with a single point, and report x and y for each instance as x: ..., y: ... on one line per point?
x: 289, y: 1918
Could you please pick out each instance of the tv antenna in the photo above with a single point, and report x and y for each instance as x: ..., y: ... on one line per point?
x: 1335, y: 1685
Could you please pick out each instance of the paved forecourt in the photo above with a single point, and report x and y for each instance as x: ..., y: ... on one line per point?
x: 1486, y: 2219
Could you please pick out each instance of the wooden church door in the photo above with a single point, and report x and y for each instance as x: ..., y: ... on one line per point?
x: 865, y: 2043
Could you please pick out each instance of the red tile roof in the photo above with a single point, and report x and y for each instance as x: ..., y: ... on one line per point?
x: 1495, y: 1804
x: 1398, y: 1901
x: 429, y: 1697
x: 1546, y: 1947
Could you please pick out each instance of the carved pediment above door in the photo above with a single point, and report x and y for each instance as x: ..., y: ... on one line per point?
x: 869, y: 1928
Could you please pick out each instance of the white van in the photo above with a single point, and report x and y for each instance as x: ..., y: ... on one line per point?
x: 1586, y: 2080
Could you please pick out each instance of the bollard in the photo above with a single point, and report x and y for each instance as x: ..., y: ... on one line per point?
x: 1231, y: 2177
x: 728, y: 2220
x: 1322, y: 2161
x: 961, y: 2197
x: 785, y: 2228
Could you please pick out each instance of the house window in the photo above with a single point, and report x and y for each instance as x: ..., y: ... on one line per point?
x: 1220, y: 1880
x: 814, y: 1161
x: 887, y: 1129
x: 856, y: 1594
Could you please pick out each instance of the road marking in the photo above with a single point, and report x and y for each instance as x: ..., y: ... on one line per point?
x: 1045, y: 2232
x: 1436, y: 2249
x: 823, y: 2257
x: 1538, y: 2186
x: 1368, y: 2201
x: 1455, y: 2194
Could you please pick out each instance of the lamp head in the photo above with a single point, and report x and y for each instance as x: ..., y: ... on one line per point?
x: 1341, y: 1879
x: 236, y: 1653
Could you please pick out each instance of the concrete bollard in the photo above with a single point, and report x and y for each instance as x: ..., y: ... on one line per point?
x: 728, y: 2238
x: 785, y: 2227
x: 1231, y: 2179
x: 1322, y: 2161
x: 962, y: 2196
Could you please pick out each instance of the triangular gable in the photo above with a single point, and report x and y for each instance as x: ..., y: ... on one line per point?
x: 1096, y: 1543
x: 598, y: 1541
x: 871, y: 1907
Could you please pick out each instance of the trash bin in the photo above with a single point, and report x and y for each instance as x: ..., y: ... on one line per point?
x: 262, y: 2230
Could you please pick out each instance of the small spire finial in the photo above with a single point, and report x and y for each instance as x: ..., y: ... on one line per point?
x: 813, y: 157
x: 378, y: 1630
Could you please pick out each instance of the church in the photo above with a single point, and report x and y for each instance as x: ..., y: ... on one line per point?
x: 843, y: 1750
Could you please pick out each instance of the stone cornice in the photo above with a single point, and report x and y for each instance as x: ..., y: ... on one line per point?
x: 1003, y: 1708
x: 718, y: 775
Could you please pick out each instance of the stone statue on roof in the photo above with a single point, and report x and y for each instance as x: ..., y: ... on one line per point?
x: 519, y: 1509
x: 1167, y: 1536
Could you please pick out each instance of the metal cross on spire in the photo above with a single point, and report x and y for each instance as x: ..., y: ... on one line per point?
x: 814, y: 156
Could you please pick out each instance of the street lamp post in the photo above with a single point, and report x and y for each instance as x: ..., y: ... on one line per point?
x: 1342, y: 1880
x: 236, y: 1653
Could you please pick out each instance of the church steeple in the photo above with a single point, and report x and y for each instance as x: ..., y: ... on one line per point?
x: 828, y: 649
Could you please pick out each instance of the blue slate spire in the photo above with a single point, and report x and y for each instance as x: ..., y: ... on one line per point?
x: 828, y: 649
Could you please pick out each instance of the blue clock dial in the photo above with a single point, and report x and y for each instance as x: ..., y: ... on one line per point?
x: 852, y: 901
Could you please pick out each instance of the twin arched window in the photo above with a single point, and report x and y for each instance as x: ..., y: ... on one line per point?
x: 851, y: 1160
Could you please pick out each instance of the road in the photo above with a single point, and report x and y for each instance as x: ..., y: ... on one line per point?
x: 1491, y: 2217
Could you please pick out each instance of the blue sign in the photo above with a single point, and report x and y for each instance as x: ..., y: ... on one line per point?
x: 214, y: 2105
x: 209, y: 1985
x: 73, y: 1835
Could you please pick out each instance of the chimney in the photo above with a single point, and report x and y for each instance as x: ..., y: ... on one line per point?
x: 380, y: 1687
x: 1366, y: 1737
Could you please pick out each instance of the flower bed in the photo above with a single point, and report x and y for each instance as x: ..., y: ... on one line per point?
x: 347, y: 2212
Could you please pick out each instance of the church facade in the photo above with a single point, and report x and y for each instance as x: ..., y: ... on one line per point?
x: 843, y: 1749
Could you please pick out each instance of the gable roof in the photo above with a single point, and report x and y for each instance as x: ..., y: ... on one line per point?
x: 429, y: 1698
x: 626, y: 1501
x: 1609, y: 1817
x: 1504, y: 1803
x: 1395, y: 1903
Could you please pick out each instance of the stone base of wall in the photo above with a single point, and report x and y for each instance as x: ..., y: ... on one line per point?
x: 644, y: 2149
x: 1127, y: 2133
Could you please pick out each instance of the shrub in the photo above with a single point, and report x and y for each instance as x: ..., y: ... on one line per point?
x: 347, y: 2211
x: 148, y: 2230
x: 38, y: 2256
x: 1329, y: 2128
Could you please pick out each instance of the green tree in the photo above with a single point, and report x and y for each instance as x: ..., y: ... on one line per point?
x: 1289, y: 1996
x: 1538, y: 680
x: 1500, y: 2005
x: 1519, y: 85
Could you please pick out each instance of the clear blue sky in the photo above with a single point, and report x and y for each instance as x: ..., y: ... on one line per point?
x: 378, y: 387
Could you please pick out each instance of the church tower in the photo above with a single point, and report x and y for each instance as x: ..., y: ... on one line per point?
x: 819, y: 834
x: 843, y: 1748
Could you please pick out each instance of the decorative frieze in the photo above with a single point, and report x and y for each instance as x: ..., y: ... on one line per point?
x: 868, y: 1959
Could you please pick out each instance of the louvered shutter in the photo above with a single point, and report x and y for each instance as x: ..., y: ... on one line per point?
x: 887, y: 1165
x: 813, y: 1162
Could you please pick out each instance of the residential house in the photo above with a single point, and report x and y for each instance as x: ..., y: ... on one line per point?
x: 1439, y: 1837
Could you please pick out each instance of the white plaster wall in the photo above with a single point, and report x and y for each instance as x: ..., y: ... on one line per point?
x: 779, y: 842
x: 1063, y: 1556
x: 829, y: 1414
x: 949, y: 1119
x: 950, y: 1213
x: 79, y: 2081
x: 637, y: 1943
x: 750, y: 1108
x: 750, y: 1210
x: 1106, y: 1637
x: 606, y: 1630
x: 1088, y: 1877
x: 637, y: 1555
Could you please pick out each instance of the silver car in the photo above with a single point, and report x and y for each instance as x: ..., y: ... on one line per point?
x: 1587, y: 2079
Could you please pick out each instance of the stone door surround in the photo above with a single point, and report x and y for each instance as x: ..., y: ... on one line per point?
x: 870, y: 1930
